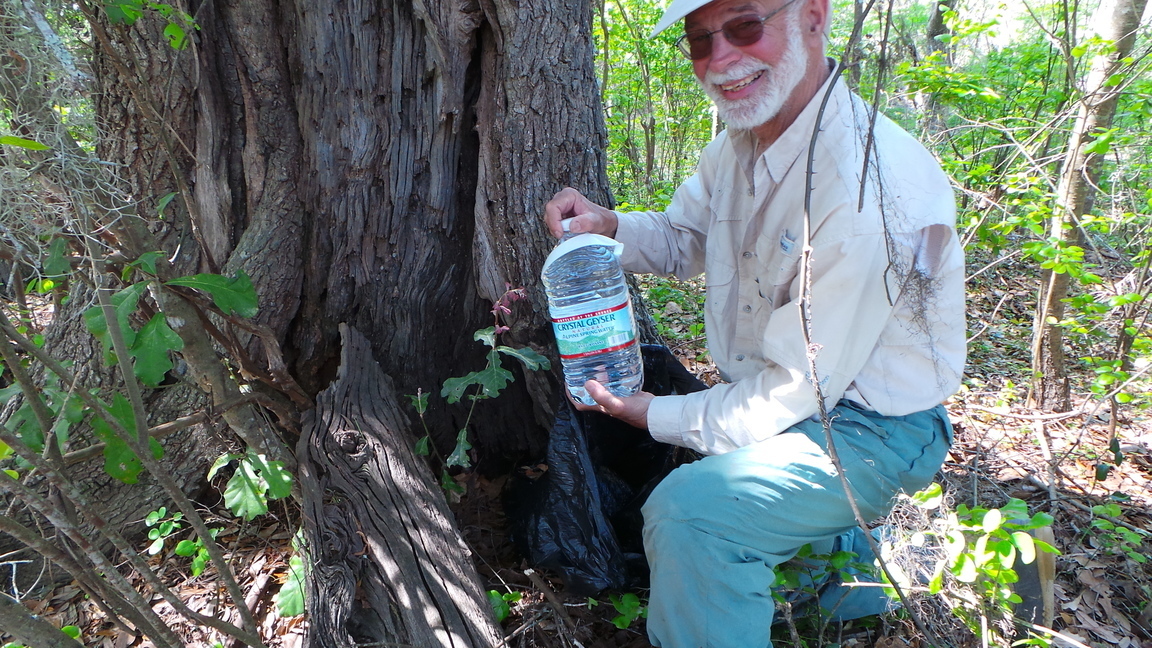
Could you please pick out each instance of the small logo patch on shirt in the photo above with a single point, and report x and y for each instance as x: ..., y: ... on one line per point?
x: 787, y: 242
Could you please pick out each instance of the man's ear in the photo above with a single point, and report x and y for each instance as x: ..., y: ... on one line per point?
x: 816, y: 17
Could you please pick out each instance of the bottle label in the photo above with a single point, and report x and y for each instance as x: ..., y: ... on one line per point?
x: 608, y: 328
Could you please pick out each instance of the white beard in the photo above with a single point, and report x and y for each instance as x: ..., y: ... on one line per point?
x: 756, y: 109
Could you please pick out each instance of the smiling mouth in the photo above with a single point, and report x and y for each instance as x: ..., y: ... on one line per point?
x: 732, y: 87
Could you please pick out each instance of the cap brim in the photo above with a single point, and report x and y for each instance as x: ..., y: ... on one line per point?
x: 676, y: 10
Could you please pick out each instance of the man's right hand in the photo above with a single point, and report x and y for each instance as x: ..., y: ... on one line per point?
x: 586, y: 215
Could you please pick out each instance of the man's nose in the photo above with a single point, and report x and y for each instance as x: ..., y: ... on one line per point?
x: 723, y: 53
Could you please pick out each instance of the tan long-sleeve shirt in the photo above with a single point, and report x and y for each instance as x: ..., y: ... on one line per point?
x: 886, y: 288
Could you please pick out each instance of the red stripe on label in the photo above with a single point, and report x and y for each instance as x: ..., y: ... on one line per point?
x: 592, y: 353
x: 593, y: 314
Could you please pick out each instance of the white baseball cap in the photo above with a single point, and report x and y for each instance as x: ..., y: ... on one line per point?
x: 676, y: 10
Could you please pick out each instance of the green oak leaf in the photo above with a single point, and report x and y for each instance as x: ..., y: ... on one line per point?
x: 245, y: 493
x: 151, y: 347
x: 230, y: 294
x: 123, y: 304
x: 531, y: 360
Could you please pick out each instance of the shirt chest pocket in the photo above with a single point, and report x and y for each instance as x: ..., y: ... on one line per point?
x: 779, y: 253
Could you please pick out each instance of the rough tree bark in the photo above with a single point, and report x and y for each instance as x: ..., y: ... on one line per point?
x: 381, y: 164
x: 379, y: 513
x: 1117, y: 21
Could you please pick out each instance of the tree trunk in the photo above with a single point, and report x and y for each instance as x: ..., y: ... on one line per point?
x: 388, y: 564
x: 1117, y: 23
x: 384, y: 165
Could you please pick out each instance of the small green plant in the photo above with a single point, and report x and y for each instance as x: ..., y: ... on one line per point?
x: 195, y: 549
x: 255, y: 481
x: 1114, y: 538
x: 975, y: 570
x: 629, y: 608
x: 502, y: 603
x: 160, y: 527
x: 477, y: 385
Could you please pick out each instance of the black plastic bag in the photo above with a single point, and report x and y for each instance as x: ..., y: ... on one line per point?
x: 578, y: 515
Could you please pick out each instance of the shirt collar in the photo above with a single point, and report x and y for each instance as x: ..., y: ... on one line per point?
x: 795, y: 140
x: 784, y: 151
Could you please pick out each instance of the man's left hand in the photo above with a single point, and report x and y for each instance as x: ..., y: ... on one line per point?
x: 633, y: 410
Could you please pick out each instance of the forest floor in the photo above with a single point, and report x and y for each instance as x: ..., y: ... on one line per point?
x: 1102, y: 594
x: 1102, y: 519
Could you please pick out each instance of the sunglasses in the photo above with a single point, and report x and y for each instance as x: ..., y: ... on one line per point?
x: 741, y: 31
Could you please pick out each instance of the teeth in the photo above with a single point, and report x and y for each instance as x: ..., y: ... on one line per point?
x: 741, y: 84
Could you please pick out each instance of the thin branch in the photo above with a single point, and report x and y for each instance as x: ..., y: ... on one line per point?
x: 813, y: 349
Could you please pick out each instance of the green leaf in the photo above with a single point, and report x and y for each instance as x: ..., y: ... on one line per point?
x: 230, y: 294
x: 531, y: 360
x: 965, y: 569
x: 163, y: 202
x: 124, y: 13
x: 221, y: 461
x: 1023, y: 542
x: 31, y: 145
x: 500, y: 607
x: 424, y: 446
x: 936, y: 584
x: 992, y: 520
x: 929, y: 498
x: 290, y: 599
x: 459, y: 456
x: 450, y: 485
x: 119, y: 460
x: 71, y: 631
x: 199, y: 562
x: 150, y: 349
x: 156, y: 547
x: 147, y: 262
x: 486, y: 335
x: 274, y: 475
x: 176, y: 36
x: 185, y: 548
x: 123, y: 304
x: 491, y: 380
x: 57, y: 264
x: 244, y: 493
x: 419, y: 401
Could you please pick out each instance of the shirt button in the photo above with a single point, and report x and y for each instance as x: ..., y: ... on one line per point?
x: 751, y: 191
x: 740, y: 356
x: 747, y: 255
x: 747, y: 308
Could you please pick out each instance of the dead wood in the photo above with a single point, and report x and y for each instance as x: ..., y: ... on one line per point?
x: 388, y: 566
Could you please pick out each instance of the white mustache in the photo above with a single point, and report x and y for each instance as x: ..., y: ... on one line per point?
x: 743, y: 69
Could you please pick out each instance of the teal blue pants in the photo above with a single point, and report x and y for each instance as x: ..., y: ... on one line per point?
x: 714, y: 530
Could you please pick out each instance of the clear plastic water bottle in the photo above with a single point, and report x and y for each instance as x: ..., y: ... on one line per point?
x: 592, y: 315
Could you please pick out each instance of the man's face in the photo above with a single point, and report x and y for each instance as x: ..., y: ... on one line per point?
x: 750, y: 84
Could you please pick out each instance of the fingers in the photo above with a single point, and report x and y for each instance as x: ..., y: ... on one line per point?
x: 606, y: 401
x: 565, y: 204
x: 633, y: 410
x: 586, y: 215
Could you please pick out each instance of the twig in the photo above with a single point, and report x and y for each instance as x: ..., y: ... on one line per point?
x: 158, y: 431
x: 813, y: 349
x: 1058, y: 416
x: 555, y: 603
x: 69, y: 490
